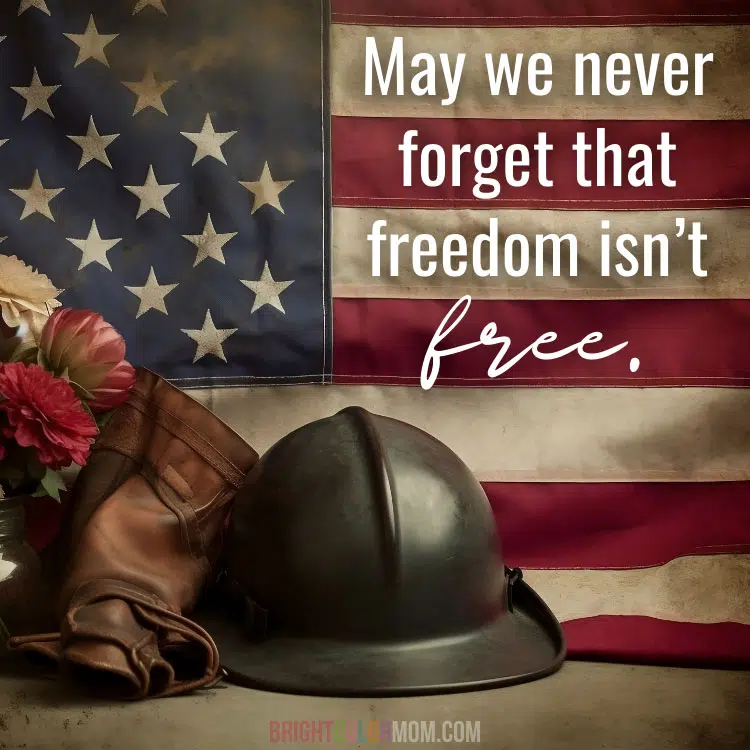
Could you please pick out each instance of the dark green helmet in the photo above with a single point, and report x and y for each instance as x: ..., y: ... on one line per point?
x: 362, y: 559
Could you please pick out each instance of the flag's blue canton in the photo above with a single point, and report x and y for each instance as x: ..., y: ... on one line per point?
x: 255, y: 68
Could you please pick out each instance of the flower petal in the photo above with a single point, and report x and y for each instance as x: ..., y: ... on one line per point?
x: 44, y: 413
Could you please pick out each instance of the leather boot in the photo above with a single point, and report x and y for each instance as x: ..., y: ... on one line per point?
x: 149, y: 511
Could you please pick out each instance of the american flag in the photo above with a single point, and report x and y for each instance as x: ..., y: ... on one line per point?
x: 205, y: 175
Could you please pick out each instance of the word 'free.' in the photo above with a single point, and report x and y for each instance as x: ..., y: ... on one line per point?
x: 616, y: 73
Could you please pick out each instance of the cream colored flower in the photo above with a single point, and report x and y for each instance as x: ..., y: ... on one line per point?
x: 27, y: 299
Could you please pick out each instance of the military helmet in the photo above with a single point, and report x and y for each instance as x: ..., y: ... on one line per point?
x: 363, y: 559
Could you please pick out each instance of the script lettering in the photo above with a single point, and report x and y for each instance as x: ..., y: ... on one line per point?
x: 488, y: 337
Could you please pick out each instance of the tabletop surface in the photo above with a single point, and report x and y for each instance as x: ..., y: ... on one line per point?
x: 586, y: 706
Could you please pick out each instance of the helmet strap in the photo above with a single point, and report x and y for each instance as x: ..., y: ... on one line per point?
x: 514, y: 576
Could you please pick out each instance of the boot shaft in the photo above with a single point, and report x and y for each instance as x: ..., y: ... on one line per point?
x: 183, y: 453
x: 146, y: 525
x: 175, y: 440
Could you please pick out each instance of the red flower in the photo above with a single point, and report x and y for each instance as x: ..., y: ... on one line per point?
x: 44, y: 412
x: 92, y: 352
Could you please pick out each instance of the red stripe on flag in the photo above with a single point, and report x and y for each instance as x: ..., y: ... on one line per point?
x: 645, y: 640
x: 678, y: 342
x: 368, y: 167
x: 618, y: 525
x: 538, y: 12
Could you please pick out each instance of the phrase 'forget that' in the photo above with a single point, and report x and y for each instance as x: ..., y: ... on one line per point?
x: 598, y: 163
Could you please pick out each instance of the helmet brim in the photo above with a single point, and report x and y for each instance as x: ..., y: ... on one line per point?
x: 523, y: 645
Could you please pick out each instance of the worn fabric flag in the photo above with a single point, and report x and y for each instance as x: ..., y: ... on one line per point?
x: 206, y: 175
x: 164, y: 165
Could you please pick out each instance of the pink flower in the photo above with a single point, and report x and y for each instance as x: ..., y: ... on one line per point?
x: 82, y: 346
x: 44, y: 412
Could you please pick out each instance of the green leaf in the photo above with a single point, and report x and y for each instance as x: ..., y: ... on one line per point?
x: 102, y: 419
x: 34, y: 467
x: 87, y: 409
x: 81, y: 391
x: 51, y: 483
x: 24, y: 352
x: 42, y: 361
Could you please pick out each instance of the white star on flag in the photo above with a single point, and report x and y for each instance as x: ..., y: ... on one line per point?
x: 37, y: 198
x: 151, y: 294
x: 266, y: 190
x: 25, y: 5
x: 208, y: 142
x: 94, y: 248
x: 93, y: 145
x: 209, y: 244
x: 209, y: 338
x: 149, y: 92
x: 158, y: 4
x: 91, y: 44
x: 36, y: 95
x: 151, y: 194
x: 267, y: 290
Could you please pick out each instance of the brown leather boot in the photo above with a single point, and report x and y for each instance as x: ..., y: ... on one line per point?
x: 149, y: 510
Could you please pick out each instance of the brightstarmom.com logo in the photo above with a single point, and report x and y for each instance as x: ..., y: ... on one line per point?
x: 374, y: 732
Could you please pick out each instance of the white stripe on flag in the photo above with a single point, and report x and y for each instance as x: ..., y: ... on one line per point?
x: 724, y: 80
x: 702, y: 589
x: 723, y: 256
x: 531, y: 434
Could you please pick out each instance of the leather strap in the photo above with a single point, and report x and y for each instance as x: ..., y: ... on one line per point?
x: 514, y: 576
x: 106, y: 588
x: 175, y: 426
x: 173, y: 499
